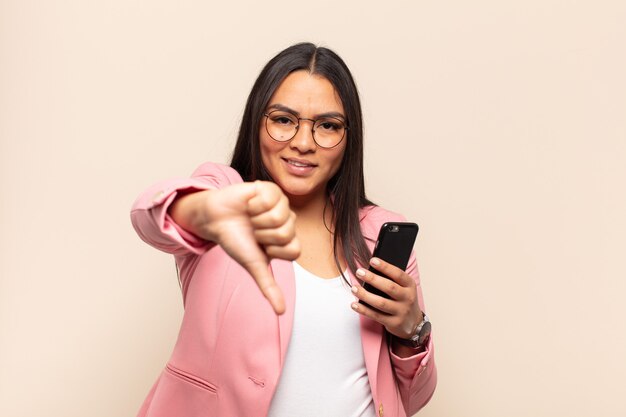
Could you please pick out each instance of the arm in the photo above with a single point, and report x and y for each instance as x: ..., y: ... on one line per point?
x: 151, y: 212
x: 250, y: 221
x: 416, y: 373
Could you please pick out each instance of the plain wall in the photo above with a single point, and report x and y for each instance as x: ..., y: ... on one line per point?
x: 498, y: 126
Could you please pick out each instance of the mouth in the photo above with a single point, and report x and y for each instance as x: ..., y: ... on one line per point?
x: 300, y: 163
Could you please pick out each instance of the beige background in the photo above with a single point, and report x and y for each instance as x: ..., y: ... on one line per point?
x: 498, y: 126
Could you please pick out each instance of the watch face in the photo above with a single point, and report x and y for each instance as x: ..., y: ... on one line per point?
x: 424, y: 334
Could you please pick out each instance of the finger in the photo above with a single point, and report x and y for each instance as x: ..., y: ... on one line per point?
x: 266, y: 196
x: 289, y: 252
x: 379, y: 303
x: 267, y: 284
x: 393, y: 272
x: 274, y: 217
x: 279, y: 236
x: 386, y: 285
x: 378, y: 316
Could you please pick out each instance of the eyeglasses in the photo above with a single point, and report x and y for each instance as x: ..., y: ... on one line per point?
x: 282, y: 126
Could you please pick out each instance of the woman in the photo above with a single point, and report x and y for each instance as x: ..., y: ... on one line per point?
x: 284, y: 223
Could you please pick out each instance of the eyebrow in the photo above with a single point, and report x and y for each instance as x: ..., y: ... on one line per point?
x: 282, y: 107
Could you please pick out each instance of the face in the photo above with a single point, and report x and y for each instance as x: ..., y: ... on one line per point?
x: 300, y: 167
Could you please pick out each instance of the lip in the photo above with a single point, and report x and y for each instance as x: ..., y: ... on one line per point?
x: 304, y: 167
x: 299, y: 161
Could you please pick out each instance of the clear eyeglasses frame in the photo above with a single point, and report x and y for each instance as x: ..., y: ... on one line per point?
x: 327, y: 132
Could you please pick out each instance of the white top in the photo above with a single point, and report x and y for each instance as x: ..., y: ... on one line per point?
x: 324, y: 372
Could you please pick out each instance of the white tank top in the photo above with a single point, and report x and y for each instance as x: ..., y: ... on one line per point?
x: 324, y: 372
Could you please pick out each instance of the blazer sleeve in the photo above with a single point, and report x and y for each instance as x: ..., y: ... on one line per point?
x: 156, y: 227
x: 417, y: 374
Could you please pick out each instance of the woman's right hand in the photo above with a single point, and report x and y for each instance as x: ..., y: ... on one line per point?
x: 251, y: 221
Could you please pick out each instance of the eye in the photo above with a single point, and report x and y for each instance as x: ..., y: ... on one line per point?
x: 329, y: 125
x: 282, y: 119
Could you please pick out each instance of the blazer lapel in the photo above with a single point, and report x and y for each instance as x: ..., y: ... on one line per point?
x: 371, y: 339
x: 372, y: 333
x: 285, y: 278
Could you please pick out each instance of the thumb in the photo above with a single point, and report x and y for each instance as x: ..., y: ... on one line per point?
x: 260, y: 272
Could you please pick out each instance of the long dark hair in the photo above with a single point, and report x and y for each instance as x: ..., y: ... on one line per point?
x: 347, y: 187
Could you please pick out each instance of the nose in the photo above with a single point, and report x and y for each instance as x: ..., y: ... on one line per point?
x: 303, y: 140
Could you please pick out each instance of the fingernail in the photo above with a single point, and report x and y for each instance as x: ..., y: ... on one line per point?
x: 375, y: 261
x: 355, y: 306
x: 360, y: 272
x: 354, y: 289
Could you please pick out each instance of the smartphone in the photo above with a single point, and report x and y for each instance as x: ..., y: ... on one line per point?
x: 394, y: 245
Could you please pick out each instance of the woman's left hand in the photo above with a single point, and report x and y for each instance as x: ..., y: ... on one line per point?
x: 401, y: 313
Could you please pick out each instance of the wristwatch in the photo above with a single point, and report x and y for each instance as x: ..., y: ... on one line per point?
x: 420, y: 336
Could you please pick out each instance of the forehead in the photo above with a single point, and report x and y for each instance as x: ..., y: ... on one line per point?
x: 307, y: 93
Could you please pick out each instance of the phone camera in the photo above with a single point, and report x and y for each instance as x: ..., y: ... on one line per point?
x: 393, y: 228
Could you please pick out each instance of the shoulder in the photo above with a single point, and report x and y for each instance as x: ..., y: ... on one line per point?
x: 372, y: 217
x: 219, y: 173
x: 377, y: 214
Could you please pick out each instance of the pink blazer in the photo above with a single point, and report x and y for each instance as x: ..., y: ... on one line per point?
x: 231, y: 346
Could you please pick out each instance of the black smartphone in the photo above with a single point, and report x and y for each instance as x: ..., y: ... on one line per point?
x: 394, y: 245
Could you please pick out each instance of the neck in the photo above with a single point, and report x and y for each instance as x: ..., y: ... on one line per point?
x: 315, y: 228
x: 312, y: 210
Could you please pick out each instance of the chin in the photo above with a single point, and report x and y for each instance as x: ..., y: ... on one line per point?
x: 298, y: 190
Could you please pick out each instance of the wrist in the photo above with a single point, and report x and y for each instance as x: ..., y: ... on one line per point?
x: 190, y: 211
x: 419, y: 337
x: 404, y: 351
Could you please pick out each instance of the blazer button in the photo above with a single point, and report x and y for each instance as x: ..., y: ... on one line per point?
x: 380, y: 410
